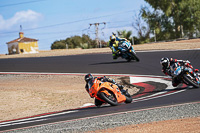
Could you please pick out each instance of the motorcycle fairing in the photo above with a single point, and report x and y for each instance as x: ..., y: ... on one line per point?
x: 107, y: 87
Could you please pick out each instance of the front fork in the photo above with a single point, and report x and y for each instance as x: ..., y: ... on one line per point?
x: 196, y: 76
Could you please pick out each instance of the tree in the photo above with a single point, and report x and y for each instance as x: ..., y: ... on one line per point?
x: 58, y: 45
x: 125, y: 34
x: 159, y: 24
x: 143, y: 31
x: 184, y: 15
x: 83, y: 42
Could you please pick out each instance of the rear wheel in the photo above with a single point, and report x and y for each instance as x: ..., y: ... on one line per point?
x: 190, y: 81
x: 110, y: 99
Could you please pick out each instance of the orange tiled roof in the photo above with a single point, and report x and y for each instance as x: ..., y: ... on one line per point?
x: 24, y: 39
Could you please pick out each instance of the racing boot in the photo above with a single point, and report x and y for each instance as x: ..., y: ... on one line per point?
x: 115, y: 56
x: 125, y: 92
x: 121, y: 88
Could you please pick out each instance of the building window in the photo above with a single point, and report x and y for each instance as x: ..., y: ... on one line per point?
x: 21, y: 50
x: 14, y: 51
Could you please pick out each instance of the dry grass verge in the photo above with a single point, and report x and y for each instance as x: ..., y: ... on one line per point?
x: 27, y: 95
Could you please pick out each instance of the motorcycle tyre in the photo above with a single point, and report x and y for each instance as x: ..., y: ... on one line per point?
x: 135, y: 56
x: 128, y: 99
x: 190, y: 82
x: 97, y: 102
x: 108, y: 100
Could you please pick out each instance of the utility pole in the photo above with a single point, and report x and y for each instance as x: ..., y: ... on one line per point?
x: 155, y: 35
x: 20, y: 28
x: 97, y: 32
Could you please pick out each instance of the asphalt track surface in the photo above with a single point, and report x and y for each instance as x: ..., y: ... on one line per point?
x: 103, y: 63
x: 98, y: 63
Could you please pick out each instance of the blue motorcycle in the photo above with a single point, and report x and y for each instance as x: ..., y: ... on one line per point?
x: 127, y: 52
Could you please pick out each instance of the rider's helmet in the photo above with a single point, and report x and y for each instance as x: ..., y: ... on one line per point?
x: 88, y: 77
x: 112, y: 38
x: 165, y: 62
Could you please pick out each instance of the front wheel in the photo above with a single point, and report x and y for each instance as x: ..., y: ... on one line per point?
x: 97, y: 102
x: 135, y: 56
x: 110, y: 99
x: 190, y: 81
x: 128, y: 97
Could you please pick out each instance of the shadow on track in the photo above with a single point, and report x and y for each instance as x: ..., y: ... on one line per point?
x: 114, y: 62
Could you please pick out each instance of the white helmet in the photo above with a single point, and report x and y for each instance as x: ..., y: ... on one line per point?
x: 112, y: 38
x: 165, y: 62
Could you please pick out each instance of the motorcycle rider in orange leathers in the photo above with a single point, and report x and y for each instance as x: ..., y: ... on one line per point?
x: 90, y: 78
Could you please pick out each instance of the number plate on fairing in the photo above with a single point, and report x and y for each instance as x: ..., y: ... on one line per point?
x: 177, y: 71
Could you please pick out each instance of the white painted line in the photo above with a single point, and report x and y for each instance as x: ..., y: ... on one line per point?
x: 125, y: 112
x: 32, y: 119
x: 11, y: 124
x: 167, y: 50
x: 145, y: 79
x: 155, y: 95
x: 87, y: 104
x: 144, y: 99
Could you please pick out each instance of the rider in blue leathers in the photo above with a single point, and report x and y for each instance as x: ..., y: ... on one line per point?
x: 114, y: 44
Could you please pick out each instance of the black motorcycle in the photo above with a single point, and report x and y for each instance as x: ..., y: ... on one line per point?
x: 187, y: 76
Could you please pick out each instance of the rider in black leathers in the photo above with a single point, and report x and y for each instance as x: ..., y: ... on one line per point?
x: 169, y: 64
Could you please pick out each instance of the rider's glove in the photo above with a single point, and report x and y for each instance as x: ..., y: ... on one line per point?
x: 120, y: 87
x: 187, y: 61
x: 104, y: 79
x: 110, y: 80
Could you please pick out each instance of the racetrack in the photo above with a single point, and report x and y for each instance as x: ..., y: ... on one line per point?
x: 103, y: 63
x: 98, y: 63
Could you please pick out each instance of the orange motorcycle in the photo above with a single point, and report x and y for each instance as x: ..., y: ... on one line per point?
x: 106, y: 92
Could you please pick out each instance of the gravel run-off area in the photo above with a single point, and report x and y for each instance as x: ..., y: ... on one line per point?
x: 155, y: 120
x: 27, y: 95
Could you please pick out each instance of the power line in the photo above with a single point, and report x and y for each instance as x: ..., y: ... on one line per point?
x: 63, y: 32
x: 119, y: 21
x: 64, y: 23
x: 127, y: 25
x: 21, y: 3
x: 97, y: 32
